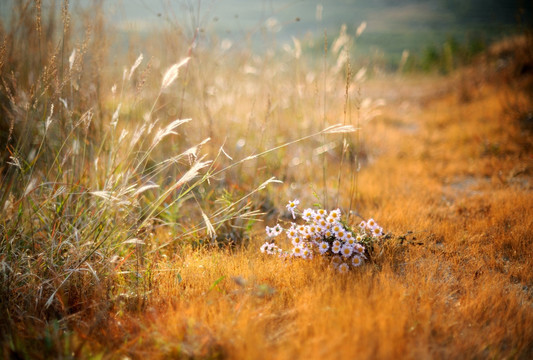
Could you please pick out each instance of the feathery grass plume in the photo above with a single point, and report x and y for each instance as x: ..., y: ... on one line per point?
x: 110, y: 197
x: 71, y: 59
x: 134, y: 241
x: 269, y: 181
x: 339, y: 129
x: 188, y: 176
x: 49, y: 118
x: 135, y: 65
x: 297, y: 47
x: 360, y: 29
x: 360, y: 74
x: 38, y: 18
x: 114, y: 119
x: 123, y: 134
x: 318, y: 12
x: 191, y: 173
x: 341, y: 41
x: 172, y: 73
x: 210, y: 229
x: 168, y: 130
x: 144, y: 188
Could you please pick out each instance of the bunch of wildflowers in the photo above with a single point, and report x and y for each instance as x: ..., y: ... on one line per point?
x: 323, y: 233
x: 270, y: 249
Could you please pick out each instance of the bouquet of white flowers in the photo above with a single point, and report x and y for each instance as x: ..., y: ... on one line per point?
x: 323, y: 233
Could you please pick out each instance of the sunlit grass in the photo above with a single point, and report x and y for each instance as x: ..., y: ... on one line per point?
x: 135, y: 191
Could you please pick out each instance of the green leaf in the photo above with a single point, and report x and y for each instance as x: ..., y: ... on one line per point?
x: 217, y: 281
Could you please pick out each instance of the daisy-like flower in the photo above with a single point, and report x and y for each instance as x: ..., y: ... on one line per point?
x: 312, y: 229
x: 343, y: 268
x: 371, y: 223
x: 330, y: 220
x: 377, y: 231
x: 346, y: 251
x: 273, y: 231
x: 357, y: 261
x: 292, y: 233
x: 322, y: 212
x: 317, y: 217
x: 336, y: 243
x: 297, y: 251
x: 335, y: 249
x: 273, y: 249
x: 362, y: 225
x: 322, y: 223
x: 336, y: 260
x: 336, y: 214
x: 350, y: 241
x: 328, y: 233
x: 264, y: 247
x: 349, y: 236
x: 291, y: 206
x: 296, y: 241
x: 359, y: 248
x: 268, y: 230
x: 341, y: 235
x: 336, y: 228
x: 359, y: 238
x: 308, y: 214
x: 323, y: 247
x: 306, y: 253
x: 302, y: 229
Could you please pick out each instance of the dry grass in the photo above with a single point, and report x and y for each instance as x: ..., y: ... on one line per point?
x: 116, y: 257
x: 460, y: 285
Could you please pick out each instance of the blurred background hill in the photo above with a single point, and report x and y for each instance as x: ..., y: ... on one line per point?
x: 420, y: 27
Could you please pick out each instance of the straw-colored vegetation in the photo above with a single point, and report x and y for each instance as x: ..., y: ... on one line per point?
x: 135, y: 191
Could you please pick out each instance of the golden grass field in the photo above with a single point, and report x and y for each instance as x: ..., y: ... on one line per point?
x: 122, y: 237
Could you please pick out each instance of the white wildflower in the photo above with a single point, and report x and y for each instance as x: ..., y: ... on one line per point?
x: 296, y: 241
x: 264, y: 247
x: 291, y: 206
x: 308, y: 214
x: 377, y: 231
x: 297, y: 251
x: 336, y: 228
x: 357, y: 261
x: 346, y: 251
x: 336, y: 249
x: 336, y: 214
x: 359, y: 248
x: 343, y: 268
x: 323, y: 247
x: 292, y: 232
